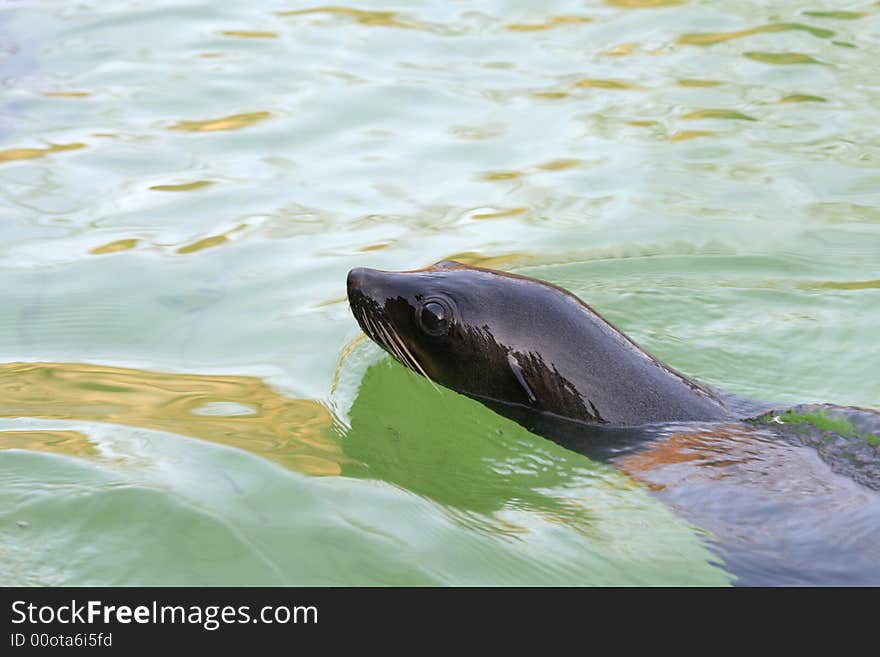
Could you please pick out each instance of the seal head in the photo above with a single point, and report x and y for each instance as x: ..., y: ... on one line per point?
x: 517, y: 343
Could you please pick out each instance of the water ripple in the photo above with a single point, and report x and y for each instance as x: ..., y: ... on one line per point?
x: 184, y: 187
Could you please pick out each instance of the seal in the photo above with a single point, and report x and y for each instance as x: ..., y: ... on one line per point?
x: 761, y: 480
x: 535, y: 353
x: 522, y: 346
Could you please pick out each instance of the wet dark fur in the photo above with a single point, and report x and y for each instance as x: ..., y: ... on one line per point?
x: 518, y: 344
x: 538, y: 355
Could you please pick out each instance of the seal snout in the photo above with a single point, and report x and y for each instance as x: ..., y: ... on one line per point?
x: 356, y: 279
x: 364, y: 285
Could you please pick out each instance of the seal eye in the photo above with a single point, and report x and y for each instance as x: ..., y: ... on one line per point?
x: 435, y: 318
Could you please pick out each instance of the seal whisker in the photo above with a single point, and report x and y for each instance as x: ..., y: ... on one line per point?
x: 388, y: 332
x: 386, y: 336
x: 393, y: 343
x: 371, y: 328
x: 411, y: 362
x: 379, y: 334
x: 365, y: 318
x: 413, y: 359
x: 392, y: 346
x: 361, y: 316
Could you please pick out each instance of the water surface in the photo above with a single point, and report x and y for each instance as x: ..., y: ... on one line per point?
x: 183, y: 187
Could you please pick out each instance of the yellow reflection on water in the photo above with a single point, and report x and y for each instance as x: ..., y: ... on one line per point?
x: 501, y: 175
x: 604, y: 84
x: 13, y: 154
x: 725, y: 114
x: 362, y: 16
x: 69, y: 443
x: 293, y: 432
x: 206, y: 243
x: 67, y: 94
x: 551, y: 95
x: 560, y: 165
x: 345, y: 353
x: 233, y: 122
x: 684, y: 135
x: 113, y: 247
x: 840, y: 285
x: 783, y: 58
x: 211, y: 241
x: 378, y: 246
x: 250, y: 34
x: 622, y: 50
x: 803, y: 98
x: 512, y: 212
x: 839, y: 15
x: 503, y: 261
x: 709, y: 38
x: 693, y: 82
x: 182, y: 187
x: 554, y: 21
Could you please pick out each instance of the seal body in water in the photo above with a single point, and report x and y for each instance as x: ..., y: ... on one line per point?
x: 764, y: 483
x: 537, y: 354
x: 515, y: 341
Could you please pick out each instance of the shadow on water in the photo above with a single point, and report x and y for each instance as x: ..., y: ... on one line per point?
x: 774, y: 511
x: 447, y: 448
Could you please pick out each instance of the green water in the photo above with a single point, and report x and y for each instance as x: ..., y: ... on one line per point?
x: 183, y: 187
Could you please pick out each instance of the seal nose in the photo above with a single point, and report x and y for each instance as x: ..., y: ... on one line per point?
x: 356, y: 279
